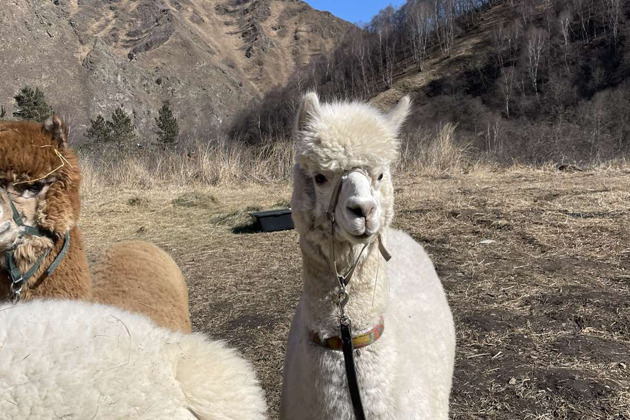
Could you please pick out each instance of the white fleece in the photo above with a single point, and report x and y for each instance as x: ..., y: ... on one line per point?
x: 79, y: 360
x: 407, y: 373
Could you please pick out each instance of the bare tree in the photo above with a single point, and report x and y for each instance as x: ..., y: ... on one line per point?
x: 498, y: 42
x: 384, y: 25
x: 390, y: 63
x: 526, y: 10
x: 584, y: 11
x: 536, y: 40
x: 361, y: 52
x: 418, y: 17
x: 613, y: 13
x: 444, y: 21
x: 564, y: 21
x: 513, y: 37
x: 507, y: 87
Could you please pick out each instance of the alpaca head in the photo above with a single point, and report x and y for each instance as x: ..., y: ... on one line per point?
x: 354, y: 143
x: 39, y: 182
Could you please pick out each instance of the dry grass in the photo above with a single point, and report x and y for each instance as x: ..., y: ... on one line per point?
x: 217, y: 162
x: 433, y: 153
x: 542, y: 313
x: 536, y: 264
x: 221, y: 162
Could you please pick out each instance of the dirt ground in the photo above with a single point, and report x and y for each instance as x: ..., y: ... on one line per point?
x: 536, y: 265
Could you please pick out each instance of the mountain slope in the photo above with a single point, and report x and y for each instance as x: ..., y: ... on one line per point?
x: 209, y: 58
x: 524, y: 80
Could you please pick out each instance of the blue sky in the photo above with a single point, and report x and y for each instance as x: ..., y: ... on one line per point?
x: 355, y: 11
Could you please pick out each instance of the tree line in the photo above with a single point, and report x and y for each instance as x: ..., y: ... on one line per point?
x: 31, y: 105
x: 540, y: 72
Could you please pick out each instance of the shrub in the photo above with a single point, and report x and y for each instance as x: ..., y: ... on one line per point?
x: 99, y: 131
x: 31, y: 105
x: 168, y: 129
x: 121, y: 126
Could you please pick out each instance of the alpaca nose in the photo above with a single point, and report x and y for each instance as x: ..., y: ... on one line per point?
x: 2, y: 203
x: 363, y: 208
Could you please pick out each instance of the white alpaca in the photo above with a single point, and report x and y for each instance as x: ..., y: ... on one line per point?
x: 78, y: 360
x: 407, y: 373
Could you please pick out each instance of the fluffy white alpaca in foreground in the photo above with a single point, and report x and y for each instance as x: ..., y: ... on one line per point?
x: 407, y: 372
x: 78, y: 360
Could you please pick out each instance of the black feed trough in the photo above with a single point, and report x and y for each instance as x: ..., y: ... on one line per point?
x: 273, y: 220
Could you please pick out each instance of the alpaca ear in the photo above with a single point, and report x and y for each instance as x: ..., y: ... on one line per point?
x: 303, y: 190
x: 399, y: 113
x: 55, y: 127
x: 302, y: 200
x: 309, y: 109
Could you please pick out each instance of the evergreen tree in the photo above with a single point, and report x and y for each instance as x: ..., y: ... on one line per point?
x: 167, y: 125
x: 121, y: 126
x: 99, y: 131
x: 31, y: 105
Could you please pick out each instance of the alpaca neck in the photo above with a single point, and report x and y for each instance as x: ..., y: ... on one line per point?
x: 70, y: 280
x: 367, y: 288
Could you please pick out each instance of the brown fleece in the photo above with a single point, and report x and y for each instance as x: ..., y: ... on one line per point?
x: 27, y: 152
x: 140, y: 277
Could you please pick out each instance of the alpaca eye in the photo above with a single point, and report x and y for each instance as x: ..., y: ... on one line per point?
x: 320, y: 179
x: 380, y: 177
x: 33, y: 189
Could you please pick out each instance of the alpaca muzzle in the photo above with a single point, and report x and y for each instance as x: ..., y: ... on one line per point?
x: 9, y: 231
x: 16, y: 276
x: 358, y: 211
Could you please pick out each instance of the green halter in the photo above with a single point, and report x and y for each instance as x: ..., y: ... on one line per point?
x: 19, y: 279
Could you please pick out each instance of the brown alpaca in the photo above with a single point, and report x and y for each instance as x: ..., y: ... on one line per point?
x: 121, y: 276
x: 40, y: 176
x: 41, y: 243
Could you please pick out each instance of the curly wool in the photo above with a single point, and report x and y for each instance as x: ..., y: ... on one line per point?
x: 139, y: 277
x: 77, y: 360
x: 29, y: 152
x: 342, y: 136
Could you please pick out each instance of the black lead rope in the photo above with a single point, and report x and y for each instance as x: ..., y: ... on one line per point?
x: 351, y: 372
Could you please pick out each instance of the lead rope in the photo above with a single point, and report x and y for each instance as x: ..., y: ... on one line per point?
x: 345, y: 325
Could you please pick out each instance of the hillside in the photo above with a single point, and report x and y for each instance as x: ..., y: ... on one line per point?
x: 551, y: 83
x: 209, y: 58
x: 524, y: 80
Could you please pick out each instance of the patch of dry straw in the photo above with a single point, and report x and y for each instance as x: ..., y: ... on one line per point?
x: 433, y: 152
x: 217, y: 162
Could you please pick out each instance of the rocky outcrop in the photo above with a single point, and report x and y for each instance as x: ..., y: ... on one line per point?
x: 208, y: 58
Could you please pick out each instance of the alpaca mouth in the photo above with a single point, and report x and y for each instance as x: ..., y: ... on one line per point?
x: 4, y: 227
x: 359, y: 238
x: 362, y: 230
x: 7, y: 235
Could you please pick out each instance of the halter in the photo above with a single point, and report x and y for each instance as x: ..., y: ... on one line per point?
x: 344, y: 279
x: 19, y: 279
x: 345, y: 325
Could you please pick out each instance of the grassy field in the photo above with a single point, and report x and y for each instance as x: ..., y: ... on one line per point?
x: 536, y: 265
